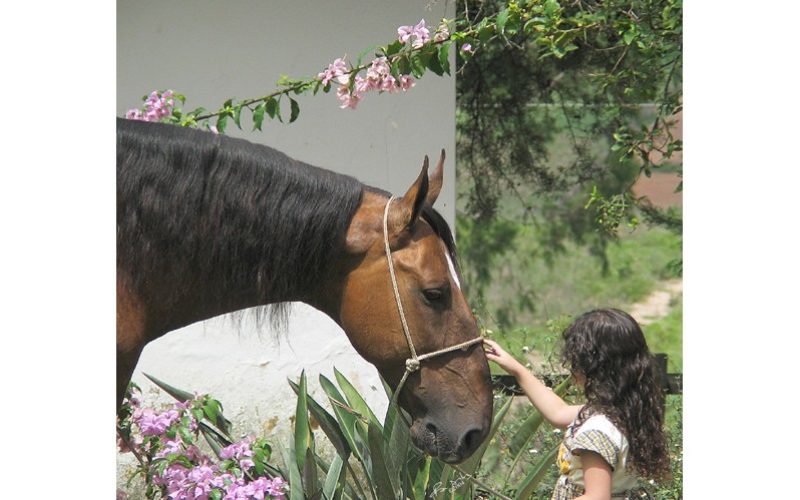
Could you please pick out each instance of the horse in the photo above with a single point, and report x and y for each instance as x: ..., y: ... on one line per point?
x: 209, y: 224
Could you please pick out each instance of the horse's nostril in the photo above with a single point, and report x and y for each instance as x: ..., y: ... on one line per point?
x: 471, y: 440
x: 431, y: 428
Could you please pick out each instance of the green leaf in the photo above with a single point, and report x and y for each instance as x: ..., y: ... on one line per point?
x: 393, y: 48
x: 485, y: 33
x: 385, y: 481
x: 444, y: 56
x: 629, y: 36
x: 471, y: 464
x: 443, y: 482
x: 502, y: 17
x: 421, y: 479
x: 396, y: 443
x: 295, y: 110
x: 222, y: 122
x: 336, y: 477
x: 258, y: 115
x: 237, y: 113
x: 551, y: 8
x: 403, y: 65
x: 513, y: 23
x: 433, y: 64
x: 528, y: 485
x: 417, y: 65
x: 354, y: 398
x: 347, y: 420
x: 310, y: 479
x: 178, y: 394
x: 519, y: 441
x: 327, y: 423
x: 295, y: 483
x: 271, y: 106
x: 303, y: 439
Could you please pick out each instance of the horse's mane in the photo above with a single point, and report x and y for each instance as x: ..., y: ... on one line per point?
x: 212, y: 209
x: 192, y: 203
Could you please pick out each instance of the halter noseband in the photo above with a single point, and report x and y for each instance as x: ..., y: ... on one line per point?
x: 412, y: 363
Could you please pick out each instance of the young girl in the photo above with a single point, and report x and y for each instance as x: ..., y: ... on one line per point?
x: 618, y: 434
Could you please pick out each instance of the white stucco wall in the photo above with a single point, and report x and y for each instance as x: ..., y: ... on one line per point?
x: 213, y: 50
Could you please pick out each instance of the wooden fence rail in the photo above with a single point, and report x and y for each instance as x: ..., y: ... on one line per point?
x: 671, y: 383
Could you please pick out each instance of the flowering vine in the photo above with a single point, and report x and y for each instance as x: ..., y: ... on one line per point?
x: 395, y: 68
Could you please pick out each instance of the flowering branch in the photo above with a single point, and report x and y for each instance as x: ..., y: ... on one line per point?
x: 395, y: 68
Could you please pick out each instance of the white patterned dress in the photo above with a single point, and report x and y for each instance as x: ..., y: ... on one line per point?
x: 599, y: 435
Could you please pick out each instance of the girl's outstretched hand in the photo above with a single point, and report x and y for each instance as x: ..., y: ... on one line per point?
x: 506, y: 361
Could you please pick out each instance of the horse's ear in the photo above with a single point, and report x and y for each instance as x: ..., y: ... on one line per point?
x: 412, y: 202
x: 435, y: 185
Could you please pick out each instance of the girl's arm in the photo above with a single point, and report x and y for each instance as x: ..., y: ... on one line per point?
x: 554, y: 409
x: 596, y: 477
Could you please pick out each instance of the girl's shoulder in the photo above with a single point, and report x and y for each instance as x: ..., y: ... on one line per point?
x: 599, y: 423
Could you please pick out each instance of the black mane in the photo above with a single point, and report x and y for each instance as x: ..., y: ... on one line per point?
x: 196, y: 209
x: 224, y: 211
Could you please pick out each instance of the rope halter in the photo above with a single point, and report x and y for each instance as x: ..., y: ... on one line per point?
x: 412, y: 363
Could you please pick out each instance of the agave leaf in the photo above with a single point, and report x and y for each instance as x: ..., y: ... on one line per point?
x: 355, y: 399
x: 311, y: 484
x: 303, y: 439
x: 327, y: 422
x: 471, y: 464
x: 178, y: 394
x: 295, y: 483
x: 347, y: 419
x: 385, y: 481
x: 531, y: 481
x: 442, y: 486
x: 421, y: 479
x: 214, y: 439
x: 519, y: 441
x: 335, y: 477
x: 397, y: 444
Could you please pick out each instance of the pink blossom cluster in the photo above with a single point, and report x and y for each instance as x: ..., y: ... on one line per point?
x: 156, y: 434
x: 197, y: 483
x: 156, y: 107
x: 240, y: 452
x: 154, y: 424
x: 378, y: 78
x: 418, y: 35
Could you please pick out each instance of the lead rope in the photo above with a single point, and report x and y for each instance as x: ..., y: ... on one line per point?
x: 412, y: 363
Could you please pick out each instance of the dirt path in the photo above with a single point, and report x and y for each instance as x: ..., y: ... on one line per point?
x: 657, y: 304
x: 654, y: 307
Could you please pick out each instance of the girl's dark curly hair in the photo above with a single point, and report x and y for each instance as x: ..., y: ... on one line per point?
x: 607, y: 347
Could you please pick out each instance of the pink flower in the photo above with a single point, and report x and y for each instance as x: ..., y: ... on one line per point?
x: 406, y: 82
x: 156, y: 107
x: 213, y: 129
x: 134, y: 114
x: 467, y: 48
x: 336, y: 70
x: 347, y: 98
x: 241, y: 452
x: 418, y: 35
x: 154, y: 424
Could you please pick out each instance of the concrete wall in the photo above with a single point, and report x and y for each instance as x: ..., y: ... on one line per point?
x: 213, y: 50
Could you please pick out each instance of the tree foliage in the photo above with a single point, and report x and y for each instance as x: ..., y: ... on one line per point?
x: 560, y: 109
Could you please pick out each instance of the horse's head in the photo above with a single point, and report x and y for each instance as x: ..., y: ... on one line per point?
x: 449, y: 397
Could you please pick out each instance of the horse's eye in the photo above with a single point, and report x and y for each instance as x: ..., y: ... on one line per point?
x: 433, y: 294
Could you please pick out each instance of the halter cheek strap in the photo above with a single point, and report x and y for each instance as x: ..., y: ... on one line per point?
x: 412, y: 363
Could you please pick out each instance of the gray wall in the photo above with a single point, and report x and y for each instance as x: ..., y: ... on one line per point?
x: 211, y: 51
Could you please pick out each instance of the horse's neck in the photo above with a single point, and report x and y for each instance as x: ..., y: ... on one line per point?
x: 247, y: 227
